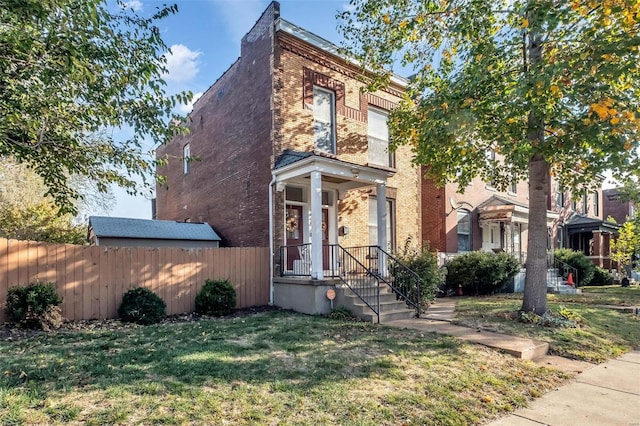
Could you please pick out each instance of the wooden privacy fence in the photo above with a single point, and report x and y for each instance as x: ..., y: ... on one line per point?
x: 92, y: 279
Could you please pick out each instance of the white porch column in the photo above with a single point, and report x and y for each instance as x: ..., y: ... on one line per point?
x: 381, y: 204
x: 316, y: 226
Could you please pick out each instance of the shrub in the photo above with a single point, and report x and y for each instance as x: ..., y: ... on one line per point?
x: 142, y: 306
x: 341, y: 314
x: 217, y: 297
x: 601, y: 277
x: 35, y: 306
x: 425, y: 264
x: 480, y: 272
x: 578, y: 260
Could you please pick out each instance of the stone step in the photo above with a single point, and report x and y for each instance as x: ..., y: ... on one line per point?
x: 395, y: 315
x: 360, y: 307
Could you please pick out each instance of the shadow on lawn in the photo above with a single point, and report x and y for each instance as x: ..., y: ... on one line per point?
x: 294, y: 351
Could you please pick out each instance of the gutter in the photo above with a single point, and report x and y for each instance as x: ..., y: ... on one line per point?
x: 273, y: 181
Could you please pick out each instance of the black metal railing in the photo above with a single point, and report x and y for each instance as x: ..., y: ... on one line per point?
x: 403, y: 281
x: 564, y: 270
x: 362, y: 269
x: 360, y: 279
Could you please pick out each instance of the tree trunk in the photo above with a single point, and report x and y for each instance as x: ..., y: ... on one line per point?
x: 535, y: 286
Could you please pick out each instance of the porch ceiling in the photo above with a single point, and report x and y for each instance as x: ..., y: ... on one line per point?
x: 341, y: 173
x: 499, y: 209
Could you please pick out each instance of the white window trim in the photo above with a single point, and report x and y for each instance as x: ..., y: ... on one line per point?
x: 332, y: 118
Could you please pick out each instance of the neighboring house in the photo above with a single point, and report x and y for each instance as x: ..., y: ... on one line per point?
x: 613, y: 206
x: 480, y: 218
x: 288, y: 152
x: 126, y: 232
x: 483, y: 218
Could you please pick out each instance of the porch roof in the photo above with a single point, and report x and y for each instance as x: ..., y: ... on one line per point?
x: 500, y: 209
x: 342, y: 174
x: 578, y: 223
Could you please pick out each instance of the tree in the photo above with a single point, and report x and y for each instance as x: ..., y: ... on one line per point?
x: 74, y: 72
x: 626, y: 245
x: 550, y: 85
x: 26, y: 213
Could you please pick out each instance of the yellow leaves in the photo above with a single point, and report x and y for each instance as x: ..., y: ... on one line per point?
x: 467, y: 102
x: 487, y: 399
x: 403, y: 24
x: 627, y: 145
x: 556, y: 92
x: 386, y: 19
x: 525, y: 23
x: 614, y: 120
x: 601, y: 110
x: 444, y: 106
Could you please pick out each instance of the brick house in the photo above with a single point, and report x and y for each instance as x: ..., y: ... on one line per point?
x: 483, y: 218
x: 289, y: 153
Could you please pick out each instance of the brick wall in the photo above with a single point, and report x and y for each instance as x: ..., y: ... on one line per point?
x: 298, y: 67
x: 612, y: 206
x: 230, y: 135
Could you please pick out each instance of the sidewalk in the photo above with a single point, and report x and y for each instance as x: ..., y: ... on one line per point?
x: 606, y: 394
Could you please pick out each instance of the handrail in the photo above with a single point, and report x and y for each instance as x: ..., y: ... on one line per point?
x: 566, y: 270
x: 405, y: 290
x: 358, y: 278
x: 401, y: 279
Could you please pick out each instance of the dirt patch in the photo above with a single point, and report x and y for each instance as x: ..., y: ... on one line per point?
x: 10, y: 331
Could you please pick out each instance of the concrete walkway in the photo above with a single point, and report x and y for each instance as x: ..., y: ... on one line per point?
x: 606, y: 394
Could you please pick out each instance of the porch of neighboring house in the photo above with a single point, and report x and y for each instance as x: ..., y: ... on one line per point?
x: 504, y: 227
x: 307, y: 226
x: 592, y: 237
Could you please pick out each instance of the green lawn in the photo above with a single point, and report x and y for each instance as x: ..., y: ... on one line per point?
x: 603, y: 333
x: 271, y: 368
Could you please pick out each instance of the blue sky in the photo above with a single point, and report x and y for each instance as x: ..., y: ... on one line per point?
x: 205, y: 40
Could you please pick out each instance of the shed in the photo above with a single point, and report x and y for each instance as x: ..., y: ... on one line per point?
x: 127, y: 232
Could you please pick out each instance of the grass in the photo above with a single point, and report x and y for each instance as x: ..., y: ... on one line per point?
x: 629, y: 295
x: 602, y: 334
x: 271, y: 368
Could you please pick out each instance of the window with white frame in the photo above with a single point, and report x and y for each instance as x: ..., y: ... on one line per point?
x: 378, y: 137
x: 373, y: 223
x: 464, y: 230
x: 186, y: 159
x: 596, y: 203
x: 324, y: 129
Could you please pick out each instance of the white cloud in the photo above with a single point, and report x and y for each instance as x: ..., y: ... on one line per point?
x: 182, y: 63
x: 238, y: 16
x: 186, y: 109
x: 133, y: 4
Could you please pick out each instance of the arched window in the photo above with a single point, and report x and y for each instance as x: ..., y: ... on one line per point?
x: 464, y: 230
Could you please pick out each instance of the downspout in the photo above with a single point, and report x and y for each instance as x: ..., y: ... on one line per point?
x: 273, y: 181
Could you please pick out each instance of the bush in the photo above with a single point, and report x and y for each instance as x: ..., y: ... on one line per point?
x: 142, y: 306
x: 341, y: 314
x: 425, y: 264
x: 35, y: 306
x: 217, y: 297
x: 480, y: 272
x: 601, y: 277
x: 578, y: 260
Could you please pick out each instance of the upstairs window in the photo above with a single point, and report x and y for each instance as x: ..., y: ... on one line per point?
x: 186, y: 159
x: 324, y: 129
x: 596, y: 204
x: 378, y: 137
x: 491, y: 160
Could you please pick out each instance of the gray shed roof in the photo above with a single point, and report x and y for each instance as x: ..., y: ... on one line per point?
x: 122, y: 227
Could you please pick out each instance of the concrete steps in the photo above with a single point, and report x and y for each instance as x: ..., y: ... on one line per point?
x: 391, y: 309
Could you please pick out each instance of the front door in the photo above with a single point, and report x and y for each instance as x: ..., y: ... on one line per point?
x: 294, y: 234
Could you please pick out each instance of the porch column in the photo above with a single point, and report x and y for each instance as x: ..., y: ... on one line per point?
x: 316, y: 226
x: 381, y: 204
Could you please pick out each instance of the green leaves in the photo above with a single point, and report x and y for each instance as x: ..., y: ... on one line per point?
x: 477, y: 59
x: 73, y: 71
